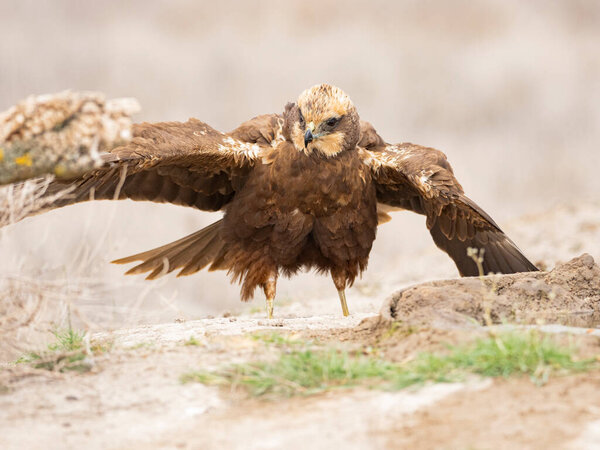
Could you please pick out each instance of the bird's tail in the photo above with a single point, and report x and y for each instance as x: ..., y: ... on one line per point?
x: 190, y: 254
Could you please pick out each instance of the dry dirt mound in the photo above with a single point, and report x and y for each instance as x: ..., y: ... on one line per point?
x: 569, y: 294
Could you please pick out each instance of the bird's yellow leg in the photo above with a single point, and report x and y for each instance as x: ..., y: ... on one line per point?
x: 270, y: 287
x: 270, y: 308
x: 339, y: 279
x: 342, y: 294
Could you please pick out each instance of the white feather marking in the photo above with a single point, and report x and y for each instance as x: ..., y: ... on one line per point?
x: 423, y: 180
x: 278, y: 134
x: 250, y: 150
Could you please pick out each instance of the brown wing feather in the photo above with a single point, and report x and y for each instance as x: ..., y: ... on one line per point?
x: 266, y: 129
x: 420, y: 179
x: 188, y: 164
x: 190, y: 254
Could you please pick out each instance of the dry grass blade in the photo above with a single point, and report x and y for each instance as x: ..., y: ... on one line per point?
x: 21, y: 200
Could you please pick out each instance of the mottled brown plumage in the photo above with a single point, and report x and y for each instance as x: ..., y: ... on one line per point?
x: 304, y: 190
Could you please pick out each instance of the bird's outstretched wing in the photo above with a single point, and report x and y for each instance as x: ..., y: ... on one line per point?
x: 420, y: 179
x: 189, y: 164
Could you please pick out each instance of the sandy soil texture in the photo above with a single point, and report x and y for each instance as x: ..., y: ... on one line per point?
x: 132, y: 397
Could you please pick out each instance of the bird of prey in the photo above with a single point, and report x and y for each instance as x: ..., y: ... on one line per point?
x: 302, y: 190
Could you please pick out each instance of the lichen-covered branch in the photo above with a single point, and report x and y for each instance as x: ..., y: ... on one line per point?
x: 61, y: 134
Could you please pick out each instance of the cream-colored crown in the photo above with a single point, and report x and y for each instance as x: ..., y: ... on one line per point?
x: 323, y: 101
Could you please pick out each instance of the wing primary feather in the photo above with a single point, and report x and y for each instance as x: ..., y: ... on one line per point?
x: 421, y: 179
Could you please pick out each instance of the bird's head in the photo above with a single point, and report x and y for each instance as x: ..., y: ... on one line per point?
x: 324, y: 120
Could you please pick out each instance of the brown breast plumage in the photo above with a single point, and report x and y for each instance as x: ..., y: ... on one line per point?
x: 299, y: 210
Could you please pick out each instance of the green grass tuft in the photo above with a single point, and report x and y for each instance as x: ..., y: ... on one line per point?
x: 279, y: 340
x: 528, y: 353
x: 309, y: 371
x: 67, y: 340
x: 67, y: 353
x: 192, y: 341
x: 297, y: 372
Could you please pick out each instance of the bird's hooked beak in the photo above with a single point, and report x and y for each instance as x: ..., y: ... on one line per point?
x: 308, y: 136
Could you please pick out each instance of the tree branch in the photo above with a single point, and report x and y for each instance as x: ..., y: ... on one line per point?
x: 61, y: 134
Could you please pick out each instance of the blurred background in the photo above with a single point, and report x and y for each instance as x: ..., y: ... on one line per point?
x: 509, y: 90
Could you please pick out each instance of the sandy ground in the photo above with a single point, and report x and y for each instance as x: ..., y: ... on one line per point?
x: 132, y: 398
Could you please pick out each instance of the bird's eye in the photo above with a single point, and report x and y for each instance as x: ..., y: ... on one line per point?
x: 301, y: 119
x: 331, y: 122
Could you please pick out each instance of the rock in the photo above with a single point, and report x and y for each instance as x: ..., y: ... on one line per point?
x: 569, y: 294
